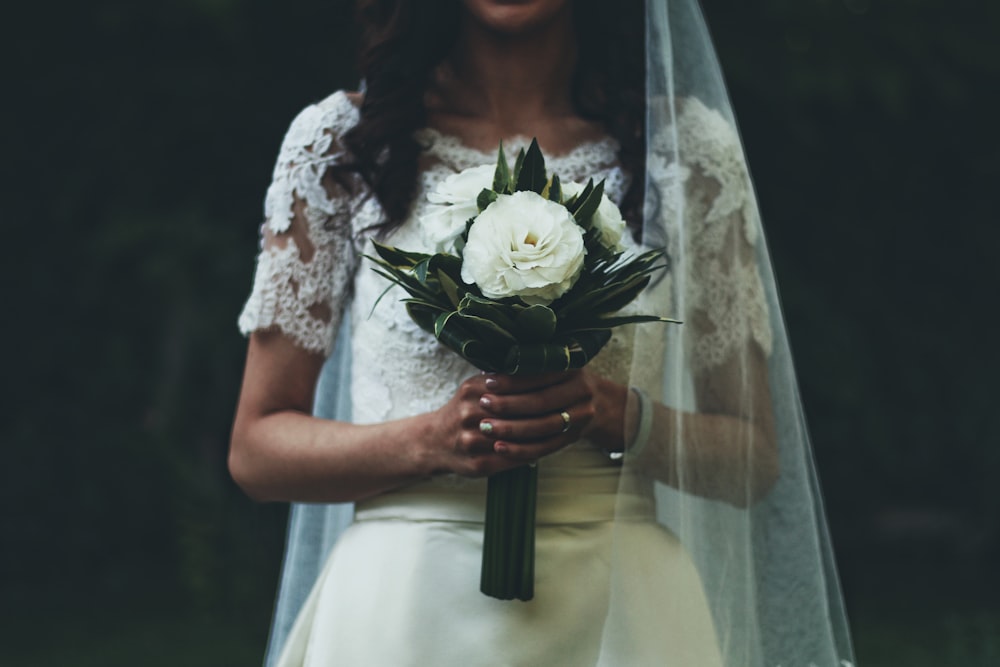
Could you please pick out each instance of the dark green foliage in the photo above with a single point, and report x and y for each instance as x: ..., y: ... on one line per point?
x: 508, y: 571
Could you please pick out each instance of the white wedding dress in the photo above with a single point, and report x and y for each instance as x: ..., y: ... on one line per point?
x: 401, y: 586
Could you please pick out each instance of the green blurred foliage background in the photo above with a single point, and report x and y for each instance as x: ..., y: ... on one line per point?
x: 140, y: 139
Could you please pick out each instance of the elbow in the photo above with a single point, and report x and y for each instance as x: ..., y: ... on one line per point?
x: 243, y: 469
x: 763, y: 471
x: 765, y: 475
x: 760, y: 474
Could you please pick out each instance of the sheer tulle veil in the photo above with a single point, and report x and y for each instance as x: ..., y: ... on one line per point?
x: 718, y: 429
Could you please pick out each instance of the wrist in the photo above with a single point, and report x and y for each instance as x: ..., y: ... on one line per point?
x: 609, y: 424
x: 424, y: 445
x: 640, y: 421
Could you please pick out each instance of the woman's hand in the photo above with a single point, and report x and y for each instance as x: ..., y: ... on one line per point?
x: 497, y: 422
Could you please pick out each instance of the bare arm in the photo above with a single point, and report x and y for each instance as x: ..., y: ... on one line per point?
x: 726, y: 451
x: 279, y: 451
x: 723, y: 451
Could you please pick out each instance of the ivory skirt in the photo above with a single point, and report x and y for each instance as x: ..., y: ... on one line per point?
x: 613, y: 588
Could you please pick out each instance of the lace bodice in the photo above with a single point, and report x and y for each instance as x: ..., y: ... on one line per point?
x: 315, y: 234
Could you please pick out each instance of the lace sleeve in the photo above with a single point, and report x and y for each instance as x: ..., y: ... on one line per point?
x: 307, y: 256
x: 725, y: 299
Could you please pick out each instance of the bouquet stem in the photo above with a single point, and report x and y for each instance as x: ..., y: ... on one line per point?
x: 508, y: 571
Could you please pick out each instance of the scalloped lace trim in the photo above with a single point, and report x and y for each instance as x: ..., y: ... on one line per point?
x: 286, y: 290
x: 300, y: 286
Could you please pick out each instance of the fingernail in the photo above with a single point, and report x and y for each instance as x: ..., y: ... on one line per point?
x: 492, y: 383
x: 485, y: 402
x: 485, y: 427
x: 499, y: 448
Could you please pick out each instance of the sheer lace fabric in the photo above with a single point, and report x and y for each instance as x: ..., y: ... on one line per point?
x: 307, y: 258
x: 315, y: 233
x: 724, y: 302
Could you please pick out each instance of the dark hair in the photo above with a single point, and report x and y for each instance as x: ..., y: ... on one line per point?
x: 403, y: 41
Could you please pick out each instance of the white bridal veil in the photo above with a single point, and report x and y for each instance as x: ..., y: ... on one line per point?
x: 718, y: 431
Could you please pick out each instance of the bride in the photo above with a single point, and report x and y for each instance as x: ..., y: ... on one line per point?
x: 678, y: 521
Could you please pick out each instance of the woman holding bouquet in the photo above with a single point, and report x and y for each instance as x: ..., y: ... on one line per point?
x: 677, y: 515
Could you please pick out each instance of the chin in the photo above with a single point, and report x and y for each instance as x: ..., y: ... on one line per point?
x: 514, y: 16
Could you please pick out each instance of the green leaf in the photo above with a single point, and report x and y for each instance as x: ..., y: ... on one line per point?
x: 585, y: 345
x: 555, y: 189
x: 501, y: 177
x: 396, y: 257
x: 645, y: 262
x: 408, y: 283
x: 536, y: 324
x: 436, y: 307
x: 450, y: 288
x: 485, y: 198
x: 420, y: 270
x: 449, y: 331
x: 532, y: 174
x: 518, y: 164
x: 448, y: 263
x: 575, y: 352
x: 422, y: 314
x: 504, y: 315
x: 574, y: 203
x: 597, y: 252
x: 447, y: 270
x: 489, y: 331
x: 617, y: 321
x: 587, y: 206
x: 378, y: 300
x: 605, y: 300
x: 465, y: 234
x: 536, y: 358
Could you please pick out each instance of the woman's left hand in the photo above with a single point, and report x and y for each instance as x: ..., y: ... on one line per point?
x: 532, y: 416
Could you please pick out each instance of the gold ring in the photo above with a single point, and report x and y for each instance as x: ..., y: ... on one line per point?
x: 566, y: 420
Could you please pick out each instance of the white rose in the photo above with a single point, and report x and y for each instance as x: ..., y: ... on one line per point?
x: 524, y: 245
x: 453, y: 202
x: 607, y: 218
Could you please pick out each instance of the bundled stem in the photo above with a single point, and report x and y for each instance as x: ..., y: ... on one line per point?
x: 508, y: 571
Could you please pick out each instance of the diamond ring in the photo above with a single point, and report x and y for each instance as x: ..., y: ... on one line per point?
x: 566, y: 421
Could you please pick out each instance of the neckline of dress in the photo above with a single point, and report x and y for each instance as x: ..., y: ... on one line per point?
x: 605, y: 146
x: 437, y: 139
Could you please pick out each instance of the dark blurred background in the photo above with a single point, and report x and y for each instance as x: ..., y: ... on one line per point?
x: 139, y: 141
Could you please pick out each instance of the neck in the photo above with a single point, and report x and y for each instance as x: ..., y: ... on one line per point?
x: 512, y: 79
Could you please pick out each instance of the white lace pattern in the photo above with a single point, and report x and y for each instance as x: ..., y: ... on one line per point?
x: 724, y: 297
x: 307, y: 257
x: 315, y: 231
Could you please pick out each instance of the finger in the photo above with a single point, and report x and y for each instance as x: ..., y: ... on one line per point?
x: 475, y: 442
x: 569, y: 429
x: 498, y: 383
x: 532, y: 451
x: 526, y: 430
x: 550, y: 399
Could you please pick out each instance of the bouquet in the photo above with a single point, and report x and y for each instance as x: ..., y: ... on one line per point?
x: 529, y: 278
